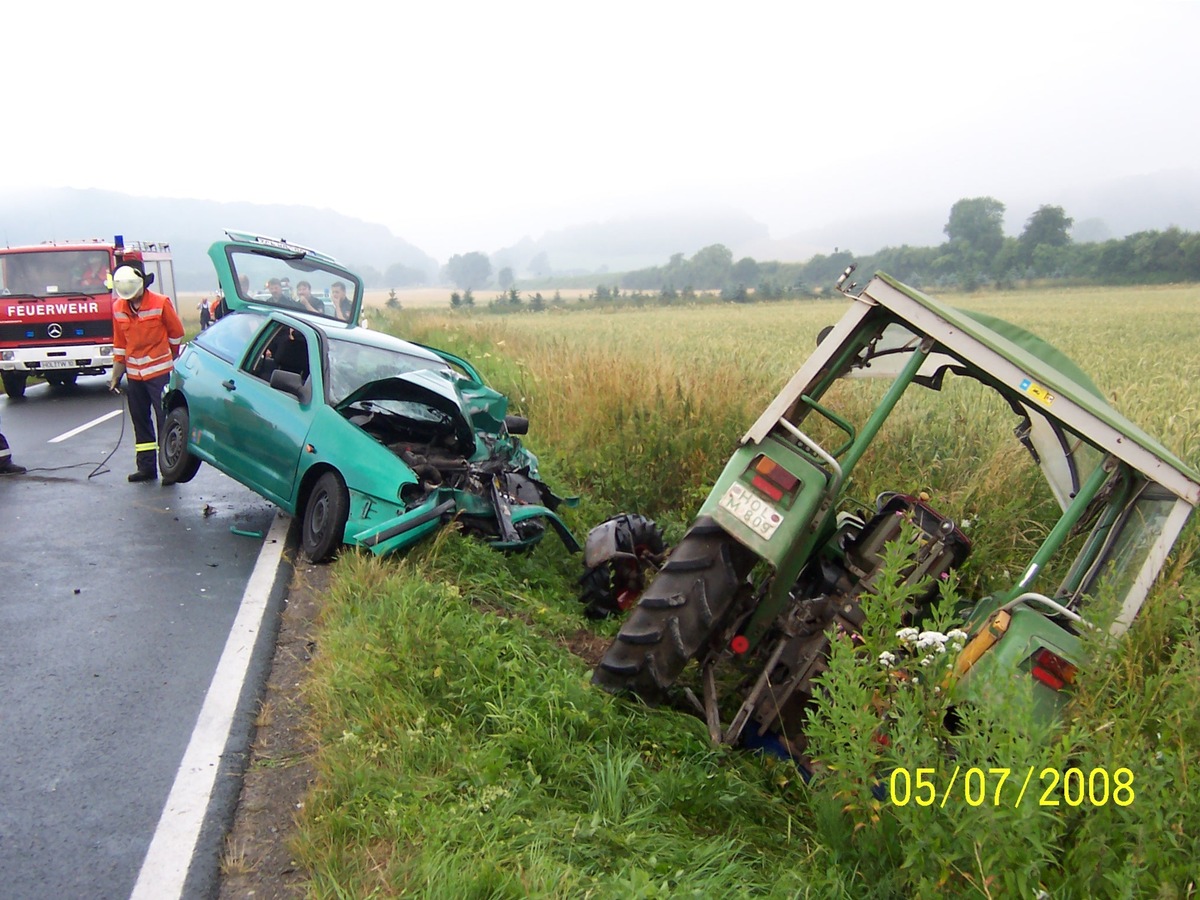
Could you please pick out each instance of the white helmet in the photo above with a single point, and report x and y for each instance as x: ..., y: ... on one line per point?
x: 127, y: 282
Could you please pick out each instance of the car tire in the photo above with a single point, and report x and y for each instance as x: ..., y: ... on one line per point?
x: 175, y: 463
x: 14, y: 384
x: 324, y: 521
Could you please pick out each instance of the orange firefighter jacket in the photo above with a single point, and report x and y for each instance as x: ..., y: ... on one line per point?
x: 147, y: 341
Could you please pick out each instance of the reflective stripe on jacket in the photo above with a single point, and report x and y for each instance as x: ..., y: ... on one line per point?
x: 147, y: 341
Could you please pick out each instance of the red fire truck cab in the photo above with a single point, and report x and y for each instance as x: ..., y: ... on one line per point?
x: 56, y: 306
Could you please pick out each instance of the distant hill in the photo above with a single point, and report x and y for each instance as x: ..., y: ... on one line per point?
x: 1103, y: 210
x: 191, y: 226
x: 627, y: 243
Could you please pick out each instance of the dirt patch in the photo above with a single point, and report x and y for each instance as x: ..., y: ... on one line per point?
x: 588, y: 646
x: 257, y: 861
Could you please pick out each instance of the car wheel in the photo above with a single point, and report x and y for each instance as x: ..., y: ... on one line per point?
x: 174, y: 461
x: 14, y: 384
x: 325, y: 518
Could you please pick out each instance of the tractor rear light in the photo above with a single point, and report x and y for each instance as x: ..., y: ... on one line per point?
x: 776, y: 474
x: 766, y: 487
x: 1052, y: 670
x: 740, y: 644
x: 771, y: 480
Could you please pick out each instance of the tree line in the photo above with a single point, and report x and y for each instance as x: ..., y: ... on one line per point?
x: 976, y: 254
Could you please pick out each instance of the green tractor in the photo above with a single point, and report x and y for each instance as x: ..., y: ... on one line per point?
x: 779, y: 557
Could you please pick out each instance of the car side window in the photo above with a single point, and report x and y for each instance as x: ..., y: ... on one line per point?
x: 228, y: 337
x: 286, y: 349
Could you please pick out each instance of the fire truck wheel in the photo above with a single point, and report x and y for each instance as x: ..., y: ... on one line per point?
x: 175, y: 463
x: 14, y: 384
x: 325, y: 515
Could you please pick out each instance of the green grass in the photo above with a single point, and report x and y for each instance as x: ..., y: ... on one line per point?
x: 463, y: 751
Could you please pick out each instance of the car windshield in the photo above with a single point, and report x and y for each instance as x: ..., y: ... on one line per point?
x: 298, y: 285
x: 353, y: 364
x: 47, y: 273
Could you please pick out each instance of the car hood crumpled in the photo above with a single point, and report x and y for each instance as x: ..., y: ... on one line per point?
x: 425, y: 386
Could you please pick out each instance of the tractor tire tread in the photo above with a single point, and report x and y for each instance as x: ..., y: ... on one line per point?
x: 677, y: 616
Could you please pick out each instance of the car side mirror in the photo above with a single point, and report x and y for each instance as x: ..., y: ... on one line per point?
x: 290, y: 383
x: 516, y: 424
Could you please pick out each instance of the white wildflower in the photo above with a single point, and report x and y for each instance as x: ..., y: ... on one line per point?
x: 908, y: 635
x: 927, y: 661
x: 956, y: 634
x: 929, y: 639
x: 886, y: 659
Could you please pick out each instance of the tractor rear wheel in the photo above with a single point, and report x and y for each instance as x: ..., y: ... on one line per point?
x: 686, y: 603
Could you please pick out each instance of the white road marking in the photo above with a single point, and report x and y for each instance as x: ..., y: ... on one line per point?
x: 74, y: 431
x: 165, y: 867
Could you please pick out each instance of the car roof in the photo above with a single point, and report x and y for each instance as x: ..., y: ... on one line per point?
x: 355, y: 334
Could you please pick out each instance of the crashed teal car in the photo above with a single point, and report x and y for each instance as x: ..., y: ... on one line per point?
x: 367, y: 439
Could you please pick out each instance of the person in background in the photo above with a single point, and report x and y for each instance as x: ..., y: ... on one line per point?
x: 341, y: 303
x: 307, y: 300
x: 146, y: 338
x: 95, y: 277
x: 205, y: 308
x: 216, y: 306
x: 275, y: 289
x: 7, y: 466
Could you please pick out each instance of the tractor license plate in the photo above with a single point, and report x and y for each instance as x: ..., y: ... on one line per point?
x: 58, y: 364
x: 750, y: 509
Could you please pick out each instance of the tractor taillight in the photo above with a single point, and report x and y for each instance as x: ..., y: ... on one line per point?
x: 771, y: 480
x: 740, y: 644
x: 776, y: 474
x: 1052, y: 670
x: 761, y: 484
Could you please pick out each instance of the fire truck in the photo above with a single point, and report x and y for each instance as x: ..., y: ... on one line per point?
x: 56, y: 306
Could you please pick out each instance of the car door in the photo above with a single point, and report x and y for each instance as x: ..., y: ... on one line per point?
x: 206, y: 371
x: 268, y: 423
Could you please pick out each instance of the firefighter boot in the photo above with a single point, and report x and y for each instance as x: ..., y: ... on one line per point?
x: 7, y: 466
x: 147, y: 469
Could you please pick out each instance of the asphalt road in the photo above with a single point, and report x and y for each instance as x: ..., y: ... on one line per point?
x: 116, y: 601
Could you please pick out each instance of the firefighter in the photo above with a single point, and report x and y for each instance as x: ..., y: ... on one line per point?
x: 7, y: 466
x: 146, y: 338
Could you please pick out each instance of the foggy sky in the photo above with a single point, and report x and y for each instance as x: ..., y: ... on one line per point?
x: 467, y: 126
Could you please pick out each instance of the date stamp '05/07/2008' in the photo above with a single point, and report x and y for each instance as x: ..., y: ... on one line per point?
x: 996, y: 786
